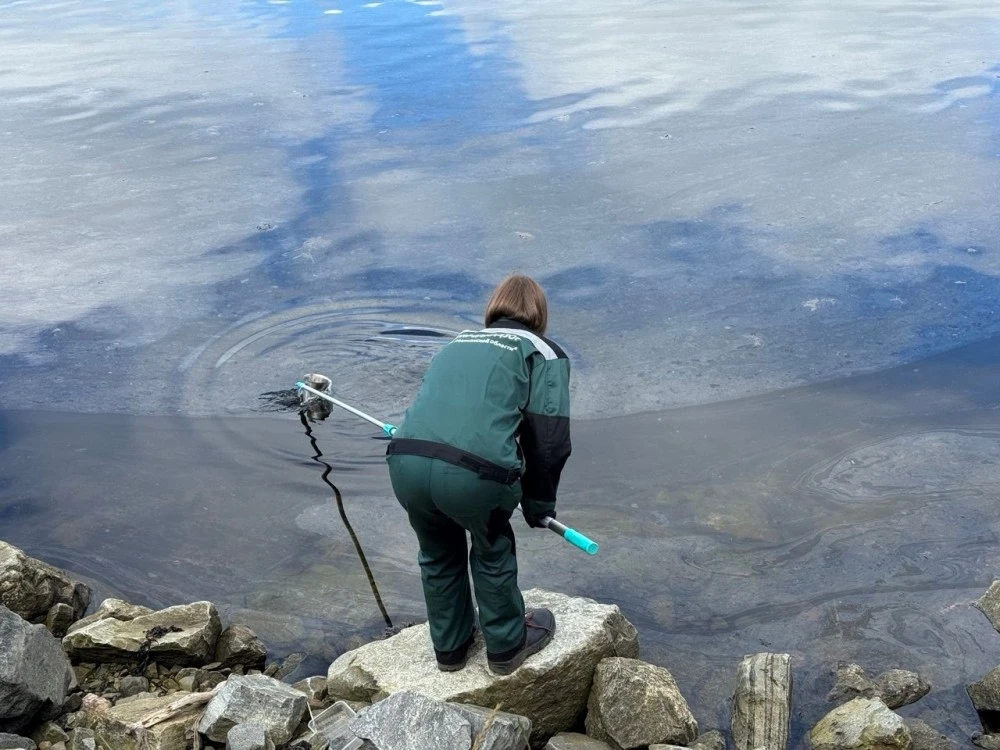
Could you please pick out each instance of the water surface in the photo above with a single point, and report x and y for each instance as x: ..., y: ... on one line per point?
x: 768, y: 232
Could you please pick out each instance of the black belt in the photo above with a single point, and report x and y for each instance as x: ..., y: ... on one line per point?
x: 429, y: 449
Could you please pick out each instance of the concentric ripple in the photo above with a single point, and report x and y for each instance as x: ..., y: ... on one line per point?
x: 375, y: 355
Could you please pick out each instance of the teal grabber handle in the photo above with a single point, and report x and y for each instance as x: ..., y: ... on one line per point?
x: 572, y: 536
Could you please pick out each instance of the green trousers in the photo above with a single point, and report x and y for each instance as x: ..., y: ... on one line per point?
x: 444, y: 502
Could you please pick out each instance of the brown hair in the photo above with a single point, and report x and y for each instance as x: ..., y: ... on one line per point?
x: 520, y: 298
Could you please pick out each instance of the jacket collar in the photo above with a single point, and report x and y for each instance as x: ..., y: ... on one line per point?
x: 508, y: 323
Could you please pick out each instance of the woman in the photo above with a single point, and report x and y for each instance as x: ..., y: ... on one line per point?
x: 489, y: 429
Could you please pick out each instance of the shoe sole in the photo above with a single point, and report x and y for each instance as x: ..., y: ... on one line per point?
x: 506, y: 668
x: 453, y: 667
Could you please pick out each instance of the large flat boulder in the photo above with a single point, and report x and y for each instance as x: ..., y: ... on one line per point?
x: 31, y: 588
x: 550, y: 689
x: 119, y: 727
x: 185, y: 635
x: 34, y: 673
x: 634, y: 705
x: 258, y: 698
x: 861, y: 724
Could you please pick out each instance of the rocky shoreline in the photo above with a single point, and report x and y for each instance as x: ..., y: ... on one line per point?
x: 125, y: 677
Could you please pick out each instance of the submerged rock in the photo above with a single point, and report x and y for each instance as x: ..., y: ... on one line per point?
x: 35, y: 674
x: 851, y: 682
x: 762, y: 702
x: 926, y: 737
x: 633, y: 704
x: 239, y: 646
x: 899, y: 687
x: 257, y: 698
x: 550, y: 689
x: 861, y: 724
x: 894, y: 687
x: 118, y: 727
x: 184, y: 634
x: 31, y: 588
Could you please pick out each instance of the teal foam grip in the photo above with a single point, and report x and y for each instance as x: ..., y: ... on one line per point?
x: 577, y: 539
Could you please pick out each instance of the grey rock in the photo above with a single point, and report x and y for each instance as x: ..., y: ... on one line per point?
x: 861, y: 724
x: 587, y: 632
x: 898, y: 687
x: 411, y: 721
x: 116, y: 726
x: 987, y: 741
x: 313, y: 688
x: 59, y: 619
x: 667, y: 747
x: 926, y: 737
x: 985, y: 696
x: 505, y: 732
x: 279, y: 670
x: 49, y: 732
x: 239, y: 646
x: 256, y: 698
x: 250, y: 735
x: 112, y: 609
x: 574, y: 741
x: 633, y: 704
x: 989, y: 605
x: 711, y: 740
x: 762, y: 702
x: 30, y: 587
x: 82, y: 739
x: 132, y: 685
x: 851, y: 682
x: 35, y: 674
x: 185, y: 634
x: 73, y: 703
x: 16, y: 742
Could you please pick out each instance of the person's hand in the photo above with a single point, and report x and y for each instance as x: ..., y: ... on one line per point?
x: 535, y: 522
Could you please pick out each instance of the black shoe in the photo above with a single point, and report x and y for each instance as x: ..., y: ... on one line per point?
x: 539, y: 627
x: 453, y: 661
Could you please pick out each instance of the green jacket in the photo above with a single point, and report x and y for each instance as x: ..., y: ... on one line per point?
x: 499, y: 396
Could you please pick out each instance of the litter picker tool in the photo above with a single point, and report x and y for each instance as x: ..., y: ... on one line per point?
x: 572, y: 536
